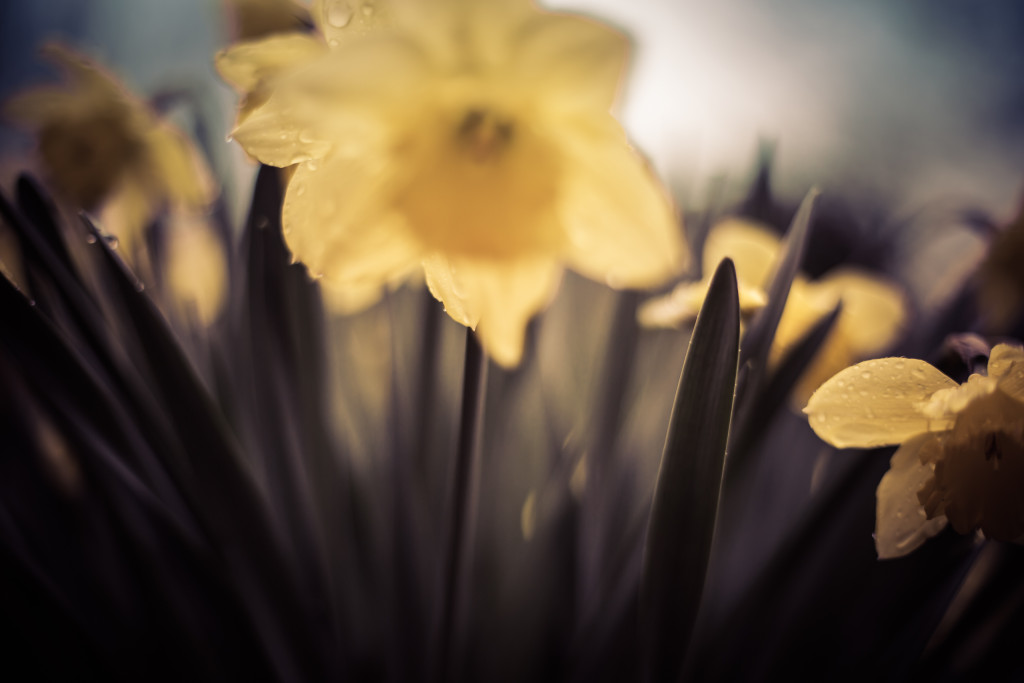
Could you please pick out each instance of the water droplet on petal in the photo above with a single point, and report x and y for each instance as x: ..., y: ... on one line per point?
x: 367, y: 9
x: 299, y: 191
x: 312, y: 165
x: 333, y: 42
x: 139, y: 287
x: 339, y: 13
x: 305, y: 136
x: 866, y: 374
x: 899, y: 365
x: 111, y: 241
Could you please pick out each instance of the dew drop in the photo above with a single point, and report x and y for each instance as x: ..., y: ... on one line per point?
x: 111, y: 241
x: 90, y: 238
x: 863, y: 392
x: 139, y: 287
x: 284, y: 136
x: 229, y: 137
x: 32, y: 302
x: 299, y: 191
x: 312, y: 165
x: 333, y: 42
x: 305, y: 136
x: 262, y: 222
x: 840, y: 383
x: 367, y: 9
x: 866, y: 374
x: 899, y: 365
x: 339, y: 14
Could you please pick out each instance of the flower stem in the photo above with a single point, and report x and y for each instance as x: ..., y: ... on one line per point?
x: 465, y: 490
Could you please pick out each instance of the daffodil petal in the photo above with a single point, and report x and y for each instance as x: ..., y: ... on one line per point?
x: 368, y: 86
x: 246, y: 65
x: 336, y: 221
x: 182, y: 173
x: 752, y: 246
x: 344, y: 20
x: 673, y: 309
x: 502, y: 296
x: 621, y: 225
x: 440, y: 277
x: 1006, y: 364
x: 874, y: 403
x: 126, y: 212
x: 349, y: 298
x: 874, y: 311
x: 196, y: 267
x: 579, y: 60
x: 901, y: 524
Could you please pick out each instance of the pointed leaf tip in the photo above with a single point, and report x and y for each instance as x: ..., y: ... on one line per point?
x: 685, y: 505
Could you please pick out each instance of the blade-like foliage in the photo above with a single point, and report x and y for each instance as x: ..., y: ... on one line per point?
x: 685, y: 505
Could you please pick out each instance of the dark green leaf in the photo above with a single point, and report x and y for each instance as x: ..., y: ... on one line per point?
x: 685, y: 505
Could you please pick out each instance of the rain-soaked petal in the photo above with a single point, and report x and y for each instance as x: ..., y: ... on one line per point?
x: 901, y: 524
x: 874, y: 403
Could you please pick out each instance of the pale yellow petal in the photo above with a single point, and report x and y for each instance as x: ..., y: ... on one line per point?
x: 578, y: 62
x: 246, y: 65
x: 621, y: 224
x: 945, y: 404
x: 349, y: 298
x: 874, y: 310
x: 1006, y: 363
x: 675, y: 308
x: 127, y: 213
x: 441, y: 282
x: 901, y: 524
x: 196, y: 267
x: 502, y: 296
x: 337, y: 221
x: 752, y: 246
x: 874, y: 403
x: 352, y: 101
x: 181, y: 172
x: 343, y: 20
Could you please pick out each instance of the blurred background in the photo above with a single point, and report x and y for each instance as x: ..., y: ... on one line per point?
x: 919, y: 100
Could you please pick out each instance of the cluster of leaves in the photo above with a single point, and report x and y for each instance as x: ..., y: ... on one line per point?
x: 182, y: 505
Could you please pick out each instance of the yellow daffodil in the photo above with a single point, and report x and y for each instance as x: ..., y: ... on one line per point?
x: 962, y: 452
x: 196, y: 267
x: 871, y: 319
x: 471, y: 141
x: 102, y: 149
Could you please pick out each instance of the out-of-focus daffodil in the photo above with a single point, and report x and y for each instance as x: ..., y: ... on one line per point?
x: 103, y: 150
x: 871, y: 319
x: 962, y: 452
x: 196, y: 267
x: 472, y: 141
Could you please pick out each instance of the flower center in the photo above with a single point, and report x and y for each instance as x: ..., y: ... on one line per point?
x: 484, y: 183
x: 484, y: 135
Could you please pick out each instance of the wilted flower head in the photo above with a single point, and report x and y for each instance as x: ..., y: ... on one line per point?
x: 962, y: 452
x: 102, y: 149
x: 871, y: 319
x: 472, y: 140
